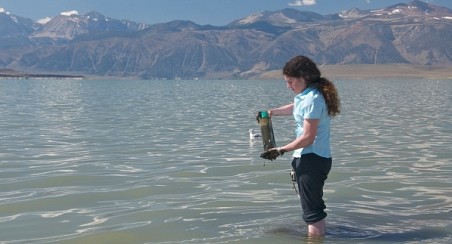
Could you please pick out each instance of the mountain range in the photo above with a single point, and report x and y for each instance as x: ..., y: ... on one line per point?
x: 95, y: 45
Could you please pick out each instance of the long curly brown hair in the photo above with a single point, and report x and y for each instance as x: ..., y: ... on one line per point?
x: 303, y: 67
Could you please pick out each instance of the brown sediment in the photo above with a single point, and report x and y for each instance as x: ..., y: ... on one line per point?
x: 376, y: 71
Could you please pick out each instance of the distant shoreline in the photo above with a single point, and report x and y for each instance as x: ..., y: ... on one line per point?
x: 333, y: 72
x: 375, y: 71
x: 12, y: 74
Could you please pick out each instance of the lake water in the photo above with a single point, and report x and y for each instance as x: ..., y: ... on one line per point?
x: 171, y: 162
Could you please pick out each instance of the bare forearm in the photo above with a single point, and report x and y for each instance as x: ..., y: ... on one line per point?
x: 308, y: 137
x: 282, y: 111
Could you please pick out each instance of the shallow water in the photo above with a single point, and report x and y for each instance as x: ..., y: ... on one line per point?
x: 171, y: 162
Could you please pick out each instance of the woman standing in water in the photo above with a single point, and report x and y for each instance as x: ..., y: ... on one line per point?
x: 315, y: 103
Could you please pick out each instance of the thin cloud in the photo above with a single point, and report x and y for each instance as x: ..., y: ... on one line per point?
x: 303, y: 3
x: 69, y: 13
x: 44, y: 20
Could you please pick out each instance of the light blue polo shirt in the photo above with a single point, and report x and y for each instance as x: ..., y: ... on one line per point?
x: 310, y: 104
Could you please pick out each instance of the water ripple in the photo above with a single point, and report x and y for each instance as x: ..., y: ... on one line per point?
x: 171, y: 162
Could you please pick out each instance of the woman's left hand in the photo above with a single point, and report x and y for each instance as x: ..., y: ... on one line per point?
x: 272, y: 154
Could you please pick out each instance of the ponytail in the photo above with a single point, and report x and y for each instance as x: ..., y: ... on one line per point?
x: 330, y: 94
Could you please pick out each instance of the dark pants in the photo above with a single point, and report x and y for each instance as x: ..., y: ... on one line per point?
x: 312, y: 171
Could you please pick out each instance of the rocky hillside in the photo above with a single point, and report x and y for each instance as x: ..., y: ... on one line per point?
x: 95, y: 45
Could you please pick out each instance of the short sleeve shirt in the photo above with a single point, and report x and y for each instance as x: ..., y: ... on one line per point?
x: 310, y: 104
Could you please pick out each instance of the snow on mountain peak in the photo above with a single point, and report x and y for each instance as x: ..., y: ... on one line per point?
x: 2, y: 10
x: 250, y: 19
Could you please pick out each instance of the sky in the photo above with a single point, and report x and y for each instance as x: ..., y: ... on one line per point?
x: 213, y: 12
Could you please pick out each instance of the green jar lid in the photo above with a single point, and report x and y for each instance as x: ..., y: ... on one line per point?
x: 264, y: 114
